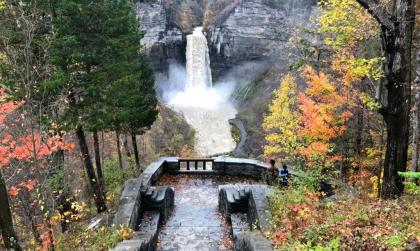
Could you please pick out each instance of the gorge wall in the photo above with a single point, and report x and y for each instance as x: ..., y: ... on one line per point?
x: 237, y: 30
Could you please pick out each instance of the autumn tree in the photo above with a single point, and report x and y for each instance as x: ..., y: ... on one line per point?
x: 281, y: 124
x: 323, y: 118
x: 6, y: 221
x: 351, y: 38
x: 25, y: 28
x: 20, y: 145
x: 396, y: 19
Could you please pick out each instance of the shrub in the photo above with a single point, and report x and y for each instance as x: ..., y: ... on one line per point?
x: 115, y: 177
x: 396, y: 241
x: 412, y: 188
x: 301, y: 220
x: 410, y: 174
x: 103, y: 238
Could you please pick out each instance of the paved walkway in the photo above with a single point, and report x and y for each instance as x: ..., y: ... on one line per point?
x: 196, y: 223
x: 239, y: 150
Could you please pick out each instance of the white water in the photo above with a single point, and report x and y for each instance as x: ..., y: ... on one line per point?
x: 206, y: 108
x: 198, y: 60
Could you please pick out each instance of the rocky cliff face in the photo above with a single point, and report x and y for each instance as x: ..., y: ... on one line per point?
x: 257, y: 30
x: 162, y: 41
x: 237, y: 30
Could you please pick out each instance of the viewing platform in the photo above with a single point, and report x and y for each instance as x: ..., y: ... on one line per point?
x: 196, y: 204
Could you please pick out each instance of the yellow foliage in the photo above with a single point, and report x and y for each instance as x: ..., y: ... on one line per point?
x: 344, y: 23
x: 282, y: 122
x: 125, y: 233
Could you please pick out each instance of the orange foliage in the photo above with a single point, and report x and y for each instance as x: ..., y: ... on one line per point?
x: 31, y: 147
x: 323, y: 116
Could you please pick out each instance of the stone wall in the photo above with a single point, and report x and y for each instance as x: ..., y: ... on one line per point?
x: 251, y: 241
x: 251, y: 199
x: 240, y: 167
x: 129, y: 207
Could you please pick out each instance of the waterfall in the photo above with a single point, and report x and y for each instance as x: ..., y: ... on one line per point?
x: 206, y: 108
x: 198, y: 60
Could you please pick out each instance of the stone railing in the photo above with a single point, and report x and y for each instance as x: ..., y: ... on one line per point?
x: 195, y: 164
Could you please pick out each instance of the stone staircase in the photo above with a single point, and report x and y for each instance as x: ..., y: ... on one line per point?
x: 245, y: 206
x: 233, y: 199
x: 143, y: 206
x: 154, y: 194
x: 159, y: 199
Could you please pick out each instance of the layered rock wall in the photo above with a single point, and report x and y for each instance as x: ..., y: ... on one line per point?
x: 237, y: 30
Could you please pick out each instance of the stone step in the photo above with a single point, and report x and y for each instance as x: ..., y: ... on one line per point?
x: 149, y: 222
x: 243, y: 194
x: 154, y: 195
x: 239, y: 223
x: 150, y: 191
x: 236, y: 196
x: 229, y: 196
x: 161, y: 195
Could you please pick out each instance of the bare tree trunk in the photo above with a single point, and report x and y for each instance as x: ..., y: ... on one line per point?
x: 397, y: 25
x: 6, y: 221
x: 119, y: 150
x: 126, y: 148
x: 397, y: 112
x: 359, y: 136
x: 98, y: 193
x: 103, y: 147
x: 135, y: 149
x: 343, y: 166
x: 416, y: 150
x: 98, y: 163
x: 380, y: 163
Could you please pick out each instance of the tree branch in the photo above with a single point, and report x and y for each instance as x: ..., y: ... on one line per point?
x: 378, y: 12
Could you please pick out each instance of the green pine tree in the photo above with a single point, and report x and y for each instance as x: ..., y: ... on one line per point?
x: 99, y: 68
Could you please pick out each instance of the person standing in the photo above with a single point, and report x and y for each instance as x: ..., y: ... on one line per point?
x: 272, y: 172
x: 284, y: 176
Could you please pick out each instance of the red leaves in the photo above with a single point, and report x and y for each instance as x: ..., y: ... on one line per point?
x: 279, y: 238
x: 7, y: 108
x: 6, y: 139
x: 26, y: 147
x: 30, y: 185
x: 13, y: 191
x: 46, y: 238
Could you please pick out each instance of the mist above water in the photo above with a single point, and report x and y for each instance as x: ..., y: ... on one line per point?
x: 207, y: 109
x: 175, y: 93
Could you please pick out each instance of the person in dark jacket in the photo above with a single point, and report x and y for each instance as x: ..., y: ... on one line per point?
x: 284, y: 176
